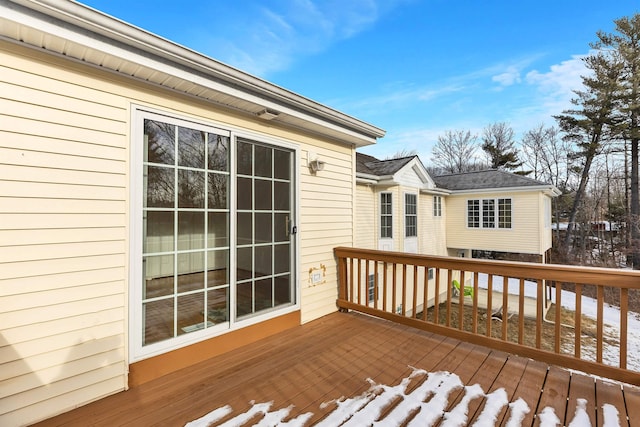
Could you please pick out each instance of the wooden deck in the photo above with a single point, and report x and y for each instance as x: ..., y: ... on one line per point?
x: 333, y: 357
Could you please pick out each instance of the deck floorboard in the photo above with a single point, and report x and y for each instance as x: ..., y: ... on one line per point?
x: 314, y: 368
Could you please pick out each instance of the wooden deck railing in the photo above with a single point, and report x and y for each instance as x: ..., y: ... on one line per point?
x: 552, y: 313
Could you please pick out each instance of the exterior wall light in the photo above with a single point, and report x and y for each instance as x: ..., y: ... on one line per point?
x: 314, y: 163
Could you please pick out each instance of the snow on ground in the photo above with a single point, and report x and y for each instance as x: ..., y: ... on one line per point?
x: 428, y: 401
x: 611, y: 317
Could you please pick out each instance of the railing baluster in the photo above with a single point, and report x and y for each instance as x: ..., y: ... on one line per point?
x: 624, y: 307
x: 475, y: 303
x: 436, y: 299
x: 449, y: 293
x: 521, y: 312
x: 415, y: 292
x: 375, y: 284
x: 351, y: 297
x: 359, y: 287
x: 394, y: 288
x: 404, y: 290
x: 539, y: 314
x: 426, y: 293
x: 461, y: 302
x: 578, y: 322
x: 600, y: 323
x: 384, y: 286
x: 489, y: 303
x: 505, y: 306
x: 558, y: 317
x: 366, y: 281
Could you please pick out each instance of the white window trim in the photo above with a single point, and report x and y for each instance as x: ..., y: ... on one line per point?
x: 496, y: 214
x: 437, y: 206
x: 136, y: 351
x: 380, y: 215
x: 404, y: 216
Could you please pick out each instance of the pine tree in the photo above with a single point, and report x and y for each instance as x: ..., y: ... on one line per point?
x: 499, y: 145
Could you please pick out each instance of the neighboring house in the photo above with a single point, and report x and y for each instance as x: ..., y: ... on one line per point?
x: 157, y: 207
x: 489, y: 210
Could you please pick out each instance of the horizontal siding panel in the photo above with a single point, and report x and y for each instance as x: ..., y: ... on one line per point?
x: 61, y: 176
x: 61, y: 265
x: 19, y: 141
x: 54, y: 358
x: 59, y: 131
x: 53, y: 282
x: 64, y: 370
x: 326, y: 242
x: 326, y: 204
x: 31, y: 300
x: 53, y: 79
x: 59, y: 236
x: 311, y: 219
x: 56, y: 206
x: 46, y: 190
x: 25, y: 253
x: 16, y: 221
x: 66, y: 118
x: 60, y: 161
x: 59, y: 101
x: 65, y: 385
x: 33, y: 340
x: 59, y: 403
x: 14, y: 319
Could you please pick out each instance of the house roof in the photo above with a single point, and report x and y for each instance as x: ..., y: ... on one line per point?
x: 485, y: 179
x: 86, y: 35
x: 370, y: 165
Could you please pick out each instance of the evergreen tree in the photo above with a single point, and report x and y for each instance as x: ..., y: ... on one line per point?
x: 499, y: 145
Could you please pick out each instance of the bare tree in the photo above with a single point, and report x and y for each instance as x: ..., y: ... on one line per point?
x: 455, y: 152
x: 403, y: 153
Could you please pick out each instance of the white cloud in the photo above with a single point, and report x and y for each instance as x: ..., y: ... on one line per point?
x: 270, y: 38
x: 556, y: 86
x: 509, y: 77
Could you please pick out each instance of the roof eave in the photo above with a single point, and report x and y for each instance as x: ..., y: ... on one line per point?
x: 547, y: 189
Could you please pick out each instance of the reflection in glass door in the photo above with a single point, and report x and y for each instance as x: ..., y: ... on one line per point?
x: 264, y: 249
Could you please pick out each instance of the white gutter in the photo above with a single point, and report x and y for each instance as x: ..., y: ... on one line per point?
x: 237, y: 82
x: 549, y: 189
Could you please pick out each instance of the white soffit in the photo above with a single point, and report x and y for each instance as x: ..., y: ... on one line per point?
x: 76, y: 31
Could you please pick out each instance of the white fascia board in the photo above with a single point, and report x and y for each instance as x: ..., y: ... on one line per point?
x: 547, y: 189
x: 435, y: 191
x: 96, y: 30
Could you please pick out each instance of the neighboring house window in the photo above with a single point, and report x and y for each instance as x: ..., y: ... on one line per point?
x: 371, y: 287
x: 473, y: 213
x: 504, y: 213
x: 386, y: 216
x: 437, y: 206
x: 410, y: 215
x: 430, y: 275
x: 489, y: 213
x: 547, y: 212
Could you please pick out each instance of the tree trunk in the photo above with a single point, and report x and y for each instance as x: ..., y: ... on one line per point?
x: 635, y: 205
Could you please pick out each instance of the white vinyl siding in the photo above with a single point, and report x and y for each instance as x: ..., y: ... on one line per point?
x: 365, y: 217
x: 64, y: 226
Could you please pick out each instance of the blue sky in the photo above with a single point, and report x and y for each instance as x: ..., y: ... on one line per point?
x: 415, y: 68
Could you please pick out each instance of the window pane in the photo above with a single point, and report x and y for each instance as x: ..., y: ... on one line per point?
x: 218, y: 152
x: 245, y: 228
x: 218, y: 305
x: 190, y: 313
x: 263, y: 265
x: 263, y: 194
x: 217, y: 268
x: 244, y: 298
x: 158, y: 276
x: 263, y: 294
x: 158, y: 321
x: 282, y: 259
x: 191, y: 148
x: 282, y: 290
x: 244, y: 261
x: 488, y: 213
x: 244, y: 158
x: 263, y: 227
x: 281, y: 164
x: 159, y: 142
x: 158, y: 187
x: 263, y: 161
x: 190, y: 271
x: 218, y: 188
x: 281, y: 196
x: 473, y: 213
x: 504, y: 213
x: 281, y: 227
x: 158, y: 231
x: 190, y: 189
x: 245, y: 194
x: 190, y: 230
x: 218, y: 231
